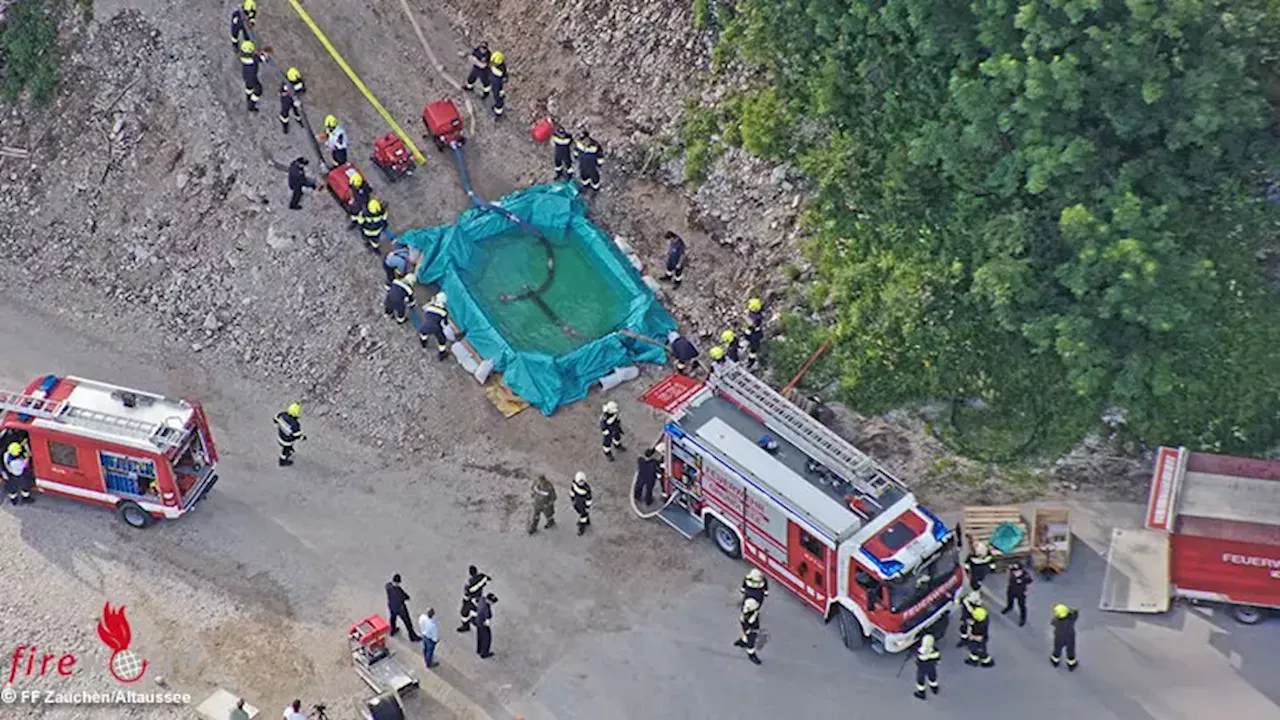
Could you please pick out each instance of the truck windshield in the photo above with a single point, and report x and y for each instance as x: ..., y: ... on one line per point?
x: 912, y: 587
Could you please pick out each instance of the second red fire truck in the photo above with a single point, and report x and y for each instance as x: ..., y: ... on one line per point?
x: 771, y: 484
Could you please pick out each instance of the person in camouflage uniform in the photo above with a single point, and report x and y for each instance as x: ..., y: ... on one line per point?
x: 544, y: 503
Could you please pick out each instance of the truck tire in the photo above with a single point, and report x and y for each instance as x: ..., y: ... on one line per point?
x: 133, y: 515
x: 725, y: 538
x: 1248, y: 614
x: 850, y: 629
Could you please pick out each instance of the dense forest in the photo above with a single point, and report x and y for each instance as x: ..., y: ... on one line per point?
x: 1053, y: 211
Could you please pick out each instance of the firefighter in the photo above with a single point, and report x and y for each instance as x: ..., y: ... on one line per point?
x: 580, y: 496
x: 291, y: 91
x: 648, y: 470
x: 19, y: 480
x: 1064, y: 635
x: 750, y: 623
x: 685, y: 353
x: 479, y: 69
x: 435, y: 316
x: 755, y: 586
x: 335, y: 140
x: 1016, y: 592
x: 471, y: 593
x: 610, y: 429
x: 716, y: 353
x: 498, y: 78
x: 399, y: 298
x: 731, y: 349
x: 373, y: 222
x: 978, y: 564
x: 249, y: 60
x: 979, y: 636
x: 289, y: 431
x: 297, y: 180
x: 675, y: 259
x: 396, y: 263
x: 562, y: 141
x: 970, y: 602
x: 590, y: 159
x: 544, y: 503
x: 754, y: 334
x: 361, y: 194
x: 243, y: 19
x: 926, y: 667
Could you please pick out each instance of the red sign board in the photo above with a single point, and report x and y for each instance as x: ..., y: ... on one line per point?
x: 1164, y: 487
x: 671, y: 392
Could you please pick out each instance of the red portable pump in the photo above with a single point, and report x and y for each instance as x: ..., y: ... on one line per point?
x: 444, y: 125
x: 392, y: 157
x: 339, y: 182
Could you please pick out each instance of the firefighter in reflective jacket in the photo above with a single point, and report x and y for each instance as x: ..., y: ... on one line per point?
x: 399, y: 298
x: 580, y: 497
x: 250, y: 58
x: 731, y: 349
x: 755, y: 586
x: 291, y: 91
x: 754, y: 334
x: 610, y: 429
x: 498, y: 78
x: 590, y: 159
x: 750, y: 623
x: 479, y: 69
x: 242, y: 21
x: 373, y: 222
x: 289, y: 431
x: 979, y: 564
x: 435, y: 316
x: 971, y: 601
x: 562, y: 141
x: 979, y: 630
x: 471, y: 593
x: 1064, y: 635
x: 926, y: 667
x: 19, y: 480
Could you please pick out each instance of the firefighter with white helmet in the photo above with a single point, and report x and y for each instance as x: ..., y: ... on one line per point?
x: 435, y: 316
x: 399, y: 298
x: 289, y: 431
x: 927, y: 657
x: 580, y: 496
x: 19, y: 481
x: 755, y: 586
x: 978, y: 564
x: 610, y: 429
x: 750, y: 624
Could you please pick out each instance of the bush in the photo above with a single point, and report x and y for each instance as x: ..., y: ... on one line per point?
x: 29, y: 56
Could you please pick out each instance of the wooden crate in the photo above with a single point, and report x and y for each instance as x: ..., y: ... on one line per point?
x: 980, y: 522
x: 1051, y: 540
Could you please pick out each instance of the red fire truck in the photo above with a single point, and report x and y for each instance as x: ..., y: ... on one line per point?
x: 769, y: 483
x: 146, y: 455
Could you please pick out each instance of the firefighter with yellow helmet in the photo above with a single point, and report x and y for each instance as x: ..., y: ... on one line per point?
x: 19, y: 480
x: 979, y: 637
x: 334, y: 138
x: 243, y: 19
x: 289, y: 431
x: 250, y: 60
x: 1064, y: 635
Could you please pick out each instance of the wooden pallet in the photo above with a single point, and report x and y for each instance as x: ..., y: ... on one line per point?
x: 980, y: 522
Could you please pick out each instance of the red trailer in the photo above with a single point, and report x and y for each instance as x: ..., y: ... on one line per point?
x: 1213, y: 533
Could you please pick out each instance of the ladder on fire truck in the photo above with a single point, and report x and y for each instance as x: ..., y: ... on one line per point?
x: 165, y: 437
x: 800, y: 429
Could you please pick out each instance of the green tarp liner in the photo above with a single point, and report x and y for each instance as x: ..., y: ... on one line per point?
x: 550, y: 328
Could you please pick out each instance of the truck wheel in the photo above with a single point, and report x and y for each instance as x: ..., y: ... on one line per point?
x: 133, y: 515
x: 725, y: 538
x: 850, y: 629
x: 1248, y: 614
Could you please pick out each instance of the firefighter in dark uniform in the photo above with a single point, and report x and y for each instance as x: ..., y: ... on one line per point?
x: 750, y: 624
x: 716, y: 353
x: 471, y: 593
x: 978, y: 564
x: 289, y: 431
x: 926, y: 667
x: 675, y: 259
x: 242, y: 22
x: 435, y: 316
x: 399, y: 298
x: 250, y: 58
x: 971, y: 601
x: 648, y: 470
x: 1064, y: 635
x: 755, y: 586
x: 479, y: 69
x: 610, y: 429
x: 685, y: 353
x: 731, y: 349
x: 291, y: 92
x: 297, y: 180
x: 562, y: 141
x: 580, y: 496
x: 361, y: 194
x: 19, y: 479
x: 498, y: 78
x: 1016, y: 592
x: 590, y: 158
x: 979, y: 636
x: 754, y: 334
x: 373, y: 222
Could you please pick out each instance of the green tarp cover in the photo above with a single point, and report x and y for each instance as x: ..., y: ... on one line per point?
x: 550, y: 328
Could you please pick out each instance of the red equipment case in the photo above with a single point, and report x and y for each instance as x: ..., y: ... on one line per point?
x: 339, y: 182
x: 444, y: 125
x: 392, y: 157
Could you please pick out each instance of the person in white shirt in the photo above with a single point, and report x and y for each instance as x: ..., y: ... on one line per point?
x: 430, y: 633
x: 294, y: 711
x: 335, y: 139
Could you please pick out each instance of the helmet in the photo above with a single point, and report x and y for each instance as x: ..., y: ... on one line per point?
x: 440, y: 299
x: 716, y: 353
x: 330, y: 122
x: 751, y: 605
x: 754, y: 575
x: 979, y: 614
x: 973, y: 598
x: 1059, y: 611
x: 295, y: 409
x: 926, y: 644
x: 293, y: 74
x: 727, y: 336
x: 611, y: 407
x: 375, y: 206
x: 497, y: 57
x: 250, y: 5
x: 409, y: 278
x: 357, y: 180
x: 754, y: 305
x: 980, y: 548
x: 247, y: 46
x: 15, y: 448
x: 580, y: 477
